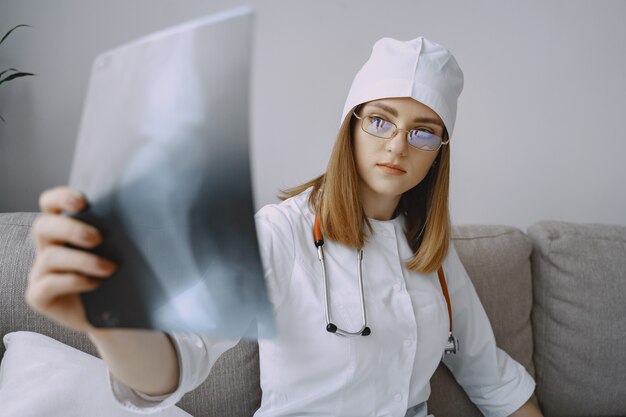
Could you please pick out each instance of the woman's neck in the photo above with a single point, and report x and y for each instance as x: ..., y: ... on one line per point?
x: 377, y: 206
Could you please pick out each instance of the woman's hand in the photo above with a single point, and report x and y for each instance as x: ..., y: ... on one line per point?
x: 142, y: 359
x: 59, y: 274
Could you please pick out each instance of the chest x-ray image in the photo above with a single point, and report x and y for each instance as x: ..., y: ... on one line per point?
x: 163, y: 158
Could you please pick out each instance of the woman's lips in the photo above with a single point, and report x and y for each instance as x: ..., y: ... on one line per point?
x: 389, y: 170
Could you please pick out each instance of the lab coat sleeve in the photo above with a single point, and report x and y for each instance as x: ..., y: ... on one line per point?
x: 196, y: 356
x: 496, y: 383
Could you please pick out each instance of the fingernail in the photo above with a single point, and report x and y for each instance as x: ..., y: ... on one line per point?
x: 106, y: 265
x: 91, y: 235
x: 75, y: 202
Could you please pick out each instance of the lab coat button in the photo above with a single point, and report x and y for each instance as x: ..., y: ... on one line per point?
x: 407, y: 342
x: 397, y: 397
x: 397, y: 287
x: 385, y: 233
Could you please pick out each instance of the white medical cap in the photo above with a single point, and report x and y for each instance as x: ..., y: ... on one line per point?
x: 419, y: 68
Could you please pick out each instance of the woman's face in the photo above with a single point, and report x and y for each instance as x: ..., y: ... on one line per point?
x: 371, y: 152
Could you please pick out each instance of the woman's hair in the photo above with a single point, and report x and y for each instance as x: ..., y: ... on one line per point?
x: 335, y: 200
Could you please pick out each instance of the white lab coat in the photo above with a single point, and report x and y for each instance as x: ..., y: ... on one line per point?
x: 308, y: 371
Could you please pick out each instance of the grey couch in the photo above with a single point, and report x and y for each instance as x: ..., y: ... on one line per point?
x: 555, y: 296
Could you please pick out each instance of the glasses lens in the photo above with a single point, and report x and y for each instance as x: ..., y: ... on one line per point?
x: 424, y: 140
x: 378, y: 127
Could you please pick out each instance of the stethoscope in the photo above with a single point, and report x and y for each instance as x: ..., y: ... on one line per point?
x: 452, y: 345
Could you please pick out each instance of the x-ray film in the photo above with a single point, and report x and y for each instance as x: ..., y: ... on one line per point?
x: 163, y: 159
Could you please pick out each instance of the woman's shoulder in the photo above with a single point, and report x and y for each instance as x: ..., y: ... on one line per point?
x: 454, y: 270
x: 282, y: 227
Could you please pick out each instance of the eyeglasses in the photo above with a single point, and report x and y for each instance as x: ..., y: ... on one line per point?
x: 417, y: 138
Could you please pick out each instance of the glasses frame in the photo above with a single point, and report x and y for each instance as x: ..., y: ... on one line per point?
x: 395, y: 132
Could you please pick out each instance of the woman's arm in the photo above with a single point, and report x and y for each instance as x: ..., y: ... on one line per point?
x: 496, y: 383
x: 131, y: 356
x: 527, y: 410
x: 152, y: 370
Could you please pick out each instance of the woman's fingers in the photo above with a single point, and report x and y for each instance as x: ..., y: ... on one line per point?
x: 60, y: 273
x: 56, y: 258
x: 51, y: 228
x: 66, y: 307
x: 52, y: 286
x: 61, y: 198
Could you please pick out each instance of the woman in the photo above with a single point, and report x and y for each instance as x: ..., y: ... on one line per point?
x: 362, y: 333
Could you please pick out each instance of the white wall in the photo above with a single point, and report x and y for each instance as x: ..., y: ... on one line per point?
x: 538, y: 128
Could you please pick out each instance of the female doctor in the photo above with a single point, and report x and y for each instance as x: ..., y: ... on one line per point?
x: 360, y: 269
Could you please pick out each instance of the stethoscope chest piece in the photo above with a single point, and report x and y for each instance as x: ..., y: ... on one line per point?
x: 452, y: 345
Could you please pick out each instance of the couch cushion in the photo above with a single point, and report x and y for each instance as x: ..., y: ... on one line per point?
x: 497, y: 260
x: 40, y: 376
x: 231, y: 389
x: 579, y: 318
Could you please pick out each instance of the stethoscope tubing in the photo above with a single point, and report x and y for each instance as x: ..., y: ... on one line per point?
x: 452, y: 345
x: 364, y: 331
x: 330, y: 326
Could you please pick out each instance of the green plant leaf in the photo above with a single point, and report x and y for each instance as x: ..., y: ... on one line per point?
x: 10, y: 69
x: 16, y: 75
x: 9, y: 32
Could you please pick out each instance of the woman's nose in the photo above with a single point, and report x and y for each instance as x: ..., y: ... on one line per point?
x: 399, y: 143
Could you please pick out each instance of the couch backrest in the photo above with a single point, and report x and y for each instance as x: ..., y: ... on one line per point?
x: 497, y: 258
x: 579, y: 318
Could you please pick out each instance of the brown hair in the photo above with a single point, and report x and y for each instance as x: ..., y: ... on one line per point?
x: 342, y: 217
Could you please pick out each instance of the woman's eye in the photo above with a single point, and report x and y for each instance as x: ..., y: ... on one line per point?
x: 378, y: 122
x: 425, y: 130
x: 381, y: 124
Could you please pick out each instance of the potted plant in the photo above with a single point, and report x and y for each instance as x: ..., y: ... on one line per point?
x: 16, y: 73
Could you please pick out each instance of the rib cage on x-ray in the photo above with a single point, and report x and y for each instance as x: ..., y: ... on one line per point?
x: 163, y: 159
